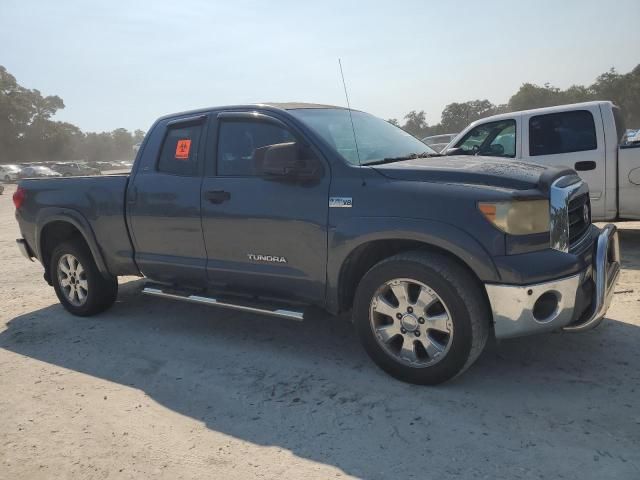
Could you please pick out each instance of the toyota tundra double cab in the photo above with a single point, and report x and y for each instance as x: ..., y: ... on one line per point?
x: 271, y: 208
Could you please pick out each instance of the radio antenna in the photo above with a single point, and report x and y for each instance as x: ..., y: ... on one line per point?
x: 353, y: 128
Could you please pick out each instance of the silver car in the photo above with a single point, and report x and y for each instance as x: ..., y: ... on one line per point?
x: 38, y: 171
x: 438, y: 142
x: 68, y: 169
x: 9, y: 173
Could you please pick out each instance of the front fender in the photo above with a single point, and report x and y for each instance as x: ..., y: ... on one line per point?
x: 59, y: 214
x: 346, y: 237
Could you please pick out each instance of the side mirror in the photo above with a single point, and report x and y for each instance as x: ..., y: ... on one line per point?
x: 287, y: 161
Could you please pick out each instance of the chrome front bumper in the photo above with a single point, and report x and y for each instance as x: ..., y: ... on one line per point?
x: 513, y: 306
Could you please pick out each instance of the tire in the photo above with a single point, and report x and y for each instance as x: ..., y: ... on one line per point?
x: 94, y: 293
x: 414, y: 343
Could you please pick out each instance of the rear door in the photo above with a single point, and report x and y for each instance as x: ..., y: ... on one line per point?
x: 262, y: 235
x: 573, y: 139
x: 163, y: 204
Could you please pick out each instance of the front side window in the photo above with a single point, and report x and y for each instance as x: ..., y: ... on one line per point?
x: 495, y: 139
x: 238, y: 141
x: 179, y: 154
x: 377, y: 139
x: 563, y: 132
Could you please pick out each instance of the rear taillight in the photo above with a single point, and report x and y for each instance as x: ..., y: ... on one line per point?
x: 18, y: 197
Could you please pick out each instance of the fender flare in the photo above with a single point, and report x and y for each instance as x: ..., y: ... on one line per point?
x: 75, y: 218
x: 346, y: 237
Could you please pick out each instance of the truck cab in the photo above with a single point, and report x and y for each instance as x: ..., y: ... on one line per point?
x: 583, y: 136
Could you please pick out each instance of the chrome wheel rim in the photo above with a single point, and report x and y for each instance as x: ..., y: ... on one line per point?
x: 72, y: 279
x: 411, y: 322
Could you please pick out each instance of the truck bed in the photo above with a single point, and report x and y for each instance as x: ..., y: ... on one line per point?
x: 96, y: 201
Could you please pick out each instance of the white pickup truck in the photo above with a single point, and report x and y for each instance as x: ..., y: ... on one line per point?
x: 582, y: 136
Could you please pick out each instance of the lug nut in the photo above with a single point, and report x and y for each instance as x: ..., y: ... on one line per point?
x: 399, y: 316
x: 410, y: 309
x: 421, y: 320
x: 417, y: 333
x: 402, y: 330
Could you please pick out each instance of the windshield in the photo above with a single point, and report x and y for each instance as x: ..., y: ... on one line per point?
x: 377, y: 139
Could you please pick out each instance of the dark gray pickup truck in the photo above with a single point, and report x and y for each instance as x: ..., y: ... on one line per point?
x: 271, y: 208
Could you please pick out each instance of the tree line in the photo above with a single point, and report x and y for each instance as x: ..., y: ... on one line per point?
x: 28, y: 133
x: 621, y: 89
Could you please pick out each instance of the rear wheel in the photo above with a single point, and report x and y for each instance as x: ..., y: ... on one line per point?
x: 80, y: 287
x: 421, y: 317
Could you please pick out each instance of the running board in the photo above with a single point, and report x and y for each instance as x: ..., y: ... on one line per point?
x: 274, y: 312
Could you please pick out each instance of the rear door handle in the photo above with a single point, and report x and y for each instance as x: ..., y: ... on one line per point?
x: 583, y: 166
x: 217, y: 196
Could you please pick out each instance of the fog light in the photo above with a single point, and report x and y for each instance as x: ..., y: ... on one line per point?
x: 546, y: 306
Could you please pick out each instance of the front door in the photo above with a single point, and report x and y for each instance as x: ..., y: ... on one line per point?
x: 262, y: 235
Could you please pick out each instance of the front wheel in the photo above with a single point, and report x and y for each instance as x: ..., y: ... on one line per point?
x: 80, y: 287
x: 421, y: 317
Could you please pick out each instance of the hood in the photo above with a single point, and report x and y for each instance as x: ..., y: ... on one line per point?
x: 474, y: 170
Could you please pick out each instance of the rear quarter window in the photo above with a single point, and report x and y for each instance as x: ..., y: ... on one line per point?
x: 179, y: 153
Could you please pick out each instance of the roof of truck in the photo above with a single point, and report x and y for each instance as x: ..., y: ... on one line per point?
x: 278, y: 105
x: 555, y: 108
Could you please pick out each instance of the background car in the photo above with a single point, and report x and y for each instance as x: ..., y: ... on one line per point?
x: 438, y: 142
x: 67, y: 169
x: 9, y: 173
x: 38, y: 171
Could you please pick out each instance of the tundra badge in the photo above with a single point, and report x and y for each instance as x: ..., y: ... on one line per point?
x: 266, y: 258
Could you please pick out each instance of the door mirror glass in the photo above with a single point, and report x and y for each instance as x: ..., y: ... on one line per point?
x: 287, y: 161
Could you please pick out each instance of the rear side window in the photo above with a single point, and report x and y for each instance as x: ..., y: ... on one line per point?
x: 238, y: 141
x: 179, y: 155
x: 563, y: 132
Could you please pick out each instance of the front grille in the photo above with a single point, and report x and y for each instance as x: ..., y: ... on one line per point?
x: 570, y: 214
x: 579, y: 225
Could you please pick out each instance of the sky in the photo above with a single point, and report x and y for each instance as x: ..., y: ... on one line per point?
x: 124, y: 63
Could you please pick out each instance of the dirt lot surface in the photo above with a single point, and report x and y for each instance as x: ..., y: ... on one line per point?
x: 157, y: 389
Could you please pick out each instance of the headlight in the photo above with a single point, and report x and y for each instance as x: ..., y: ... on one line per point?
x: 518, y: 217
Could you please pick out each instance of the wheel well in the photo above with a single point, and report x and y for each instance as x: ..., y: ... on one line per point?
x: 366, y: 256
x: 51, y: 236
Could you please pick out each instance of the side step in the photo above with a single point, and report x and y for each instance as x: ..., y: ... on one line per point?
x: 157, y: 291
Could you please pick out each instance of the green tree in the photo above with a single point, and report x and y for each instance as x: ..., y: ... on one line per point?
x: 456, y: 116
x: 416, y: 123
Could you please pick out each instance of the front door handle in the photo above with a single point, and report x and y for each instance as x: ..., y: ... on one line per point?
x: 583, y: 166
x: 217, y: 196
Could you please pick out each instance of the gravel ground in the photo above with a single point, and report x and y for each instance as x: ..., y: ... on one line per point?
x: 154, y: 388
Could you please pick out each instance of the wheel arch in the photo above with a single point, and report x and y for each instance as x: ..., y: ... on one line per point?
x: 370, y: 249
x: 61, y: 226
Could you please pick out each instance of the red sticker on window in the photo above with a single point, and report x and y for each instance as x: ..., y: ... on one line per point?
x: 182, y: 149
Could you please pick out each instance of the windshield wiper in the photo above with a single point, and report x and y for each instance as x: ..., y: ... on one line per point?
x: 411, y: 156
